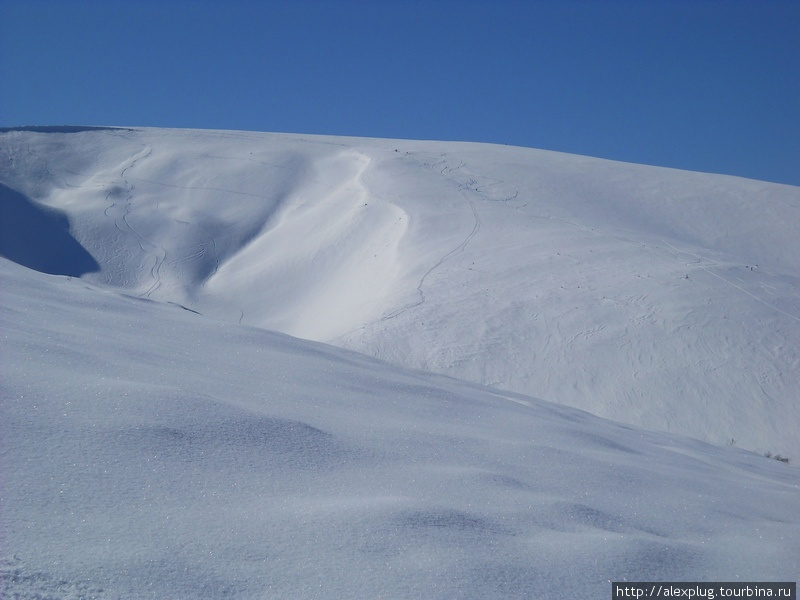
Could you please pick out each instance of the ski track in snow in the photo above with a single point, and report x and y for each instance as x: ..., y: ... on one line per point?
x: 452, y: 253
x: 121, y: 215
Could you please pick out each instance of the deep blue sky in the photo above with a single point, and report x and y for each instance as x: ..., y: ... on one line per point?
x: 701, y: 85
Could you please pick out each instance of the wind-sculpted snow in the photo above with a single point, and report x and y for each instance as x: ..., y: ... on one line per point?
x: 660, y: 298
x: 54, y: 250
x: 151, y: 452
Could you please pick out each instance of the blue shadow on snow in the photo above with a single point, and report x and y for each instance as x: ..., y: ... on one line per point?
x: 38, y: 238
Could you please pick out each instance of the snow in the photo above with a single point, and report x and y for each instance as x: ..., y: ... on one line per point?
x: 162, y: 436
x: 660, y: 298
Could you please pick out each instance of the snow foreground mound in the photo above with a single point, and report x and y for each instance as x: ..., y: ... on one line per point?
x: 150, y: 452
x: 660, y: 298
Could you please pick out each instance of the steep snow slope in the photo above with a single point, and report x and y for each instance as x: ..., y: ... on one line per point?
x: 150, y: 452
x: 657, y: 297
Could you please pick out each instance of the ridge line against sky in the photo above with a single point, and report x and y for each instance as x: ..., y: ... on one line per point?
x: 706, y: 85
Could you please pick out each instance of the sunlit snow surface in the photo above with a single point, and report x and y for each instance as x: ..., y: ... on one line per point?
x: 150, y: 451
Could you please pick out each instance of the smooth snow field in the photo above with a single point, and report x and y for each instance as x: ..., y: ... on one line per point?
x: 250, y: 365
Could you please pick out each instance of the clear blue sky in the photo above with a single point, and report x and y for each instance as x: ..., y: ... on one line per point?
x: 693, y: 84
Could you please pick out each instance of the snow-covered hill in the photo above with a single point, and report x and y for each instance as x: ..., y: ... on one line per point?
x: 157, y: 440
x: 149, y: 452
x: 661, y: 298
